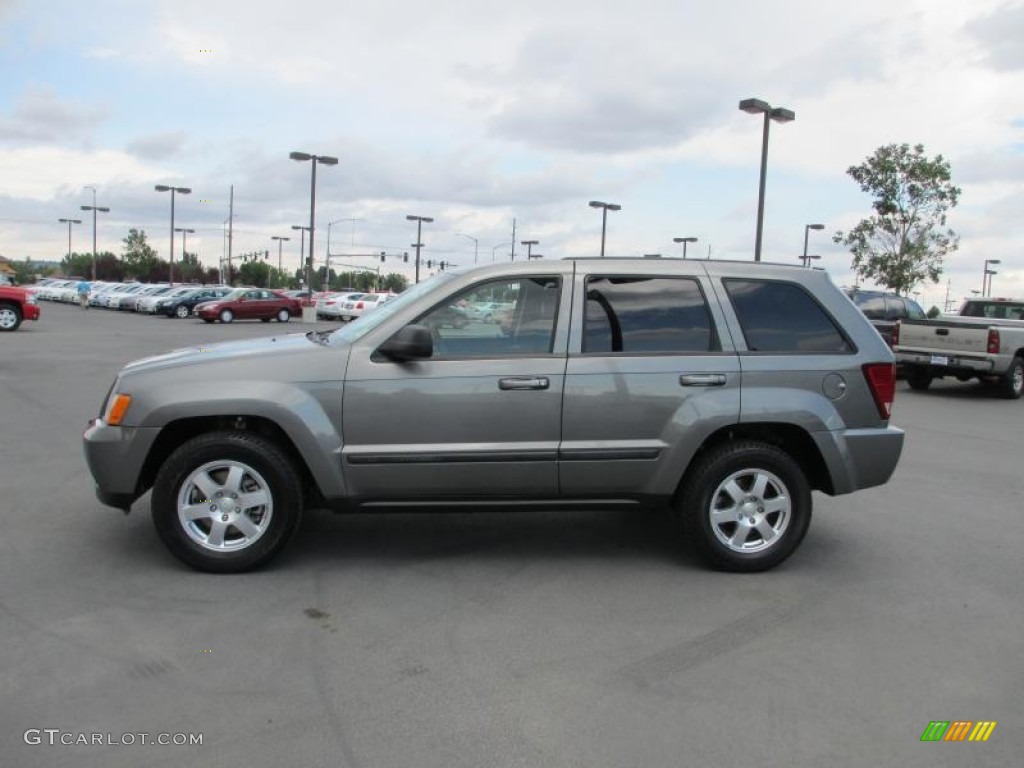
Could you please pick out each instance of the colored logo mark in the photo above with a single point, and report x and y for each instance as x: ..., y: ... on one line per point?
x: 959, y: 730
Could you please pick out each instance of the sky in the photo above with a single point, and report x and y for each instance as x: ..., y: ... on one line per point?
x: 480, y: 113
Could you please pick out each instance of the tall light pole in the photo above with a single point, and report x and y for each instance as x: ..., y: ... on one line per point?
x: 314, y: 159
x: 69, y: 222
x: 807, y: 258
x: 94, y: 209
x: 495, y: 249
x: 184, y: 237
x: 986, y: 280
x: 419, y: 238
x: 476, y: 246
x: 280, y: 242
x: 807, y: 231
x: 327, y: 274
x: 779, y: 115
x: 605, y: 207
x: 529, y: 247
x: 302, y: 255
x: 684, y: 241
x: 172, y: 190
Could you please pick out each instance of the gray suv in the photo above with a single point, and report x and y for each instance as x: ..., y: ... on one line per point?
x: 725, y: 391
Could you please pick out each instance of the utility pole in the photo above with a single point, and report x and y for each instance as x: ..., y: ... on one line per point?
x: 231, y: 226
x: 513, y: 239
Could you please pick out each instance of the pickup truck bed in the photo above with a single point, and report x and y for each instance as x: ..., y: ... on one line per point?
x: 964, y: 347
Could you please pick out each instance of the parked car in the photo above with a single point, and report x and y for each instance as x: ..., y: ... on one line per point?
x: 122, y: 295
x: 329, y: 305
x: 884, y: 310
x: 727, y: 391
x: 145, y: 302
x: 16, y: 305
x: 354, y: 308
x: 249, y: 304
x: 181, y: 303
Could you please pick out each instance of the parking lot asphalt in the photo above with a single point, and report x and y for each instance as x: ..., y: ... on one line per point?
x: 549, y: 639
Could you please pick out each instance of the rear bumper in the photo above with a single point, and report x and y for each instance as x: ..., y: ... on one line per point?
x: 860, y: 458
x: 954, y: 362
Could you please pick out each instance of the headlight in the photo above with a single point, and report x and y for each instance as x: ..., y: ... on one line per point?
x: 30, y: 298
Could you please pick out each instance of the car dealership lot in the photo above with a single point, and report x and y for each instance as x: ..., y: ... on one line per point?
x: 551, y: 639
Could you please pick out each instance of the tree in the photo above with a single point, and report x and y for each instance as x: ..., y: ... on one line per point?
x: 934, y: 312
x: 255, y: 273
x: 140, y: 260
x: 906, y: 239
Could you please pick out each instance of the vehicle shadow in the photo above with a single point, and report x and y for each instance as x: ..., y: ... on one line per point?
x: 952, y: 389
x: 634, y: 535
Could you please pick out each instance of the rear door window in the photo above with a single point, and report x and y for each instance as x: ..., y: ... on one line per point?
x: 646, y: 315
x: 783, y: 317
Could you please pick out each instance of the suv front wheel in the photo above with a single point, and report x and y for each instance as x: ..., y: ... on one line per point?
x: 746, y: 506
x: 226, y: 502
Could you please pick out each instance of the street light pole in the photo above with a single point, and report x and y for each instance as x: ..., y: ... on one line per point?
x: 684, y: 241
x: 605, y: 207
x: 779, y: 115
x: 495, y: 249
x: 324, y: 160
x: 302, y: 255
x: 280, y: 242
x: 172, y: 190
x: 807, y: 231
x: 419, y: 238
x: 476, y: 246
x: 94, y: 209
x: 69, y: 222
x: 986, y: 279
x: 529, y: 247
x: 330, y: 224
x: 184, y: 238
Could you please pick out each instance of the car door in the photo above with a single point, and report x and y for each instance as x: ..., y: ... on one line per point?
x: 248, y: 306
x: 651, y: 373
x: 481, y: 418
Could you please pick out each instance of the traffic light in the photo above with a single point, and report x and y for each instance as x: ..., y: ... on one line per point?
x: 382, y: 257
x: 405, y: 257
x: 430, y: 264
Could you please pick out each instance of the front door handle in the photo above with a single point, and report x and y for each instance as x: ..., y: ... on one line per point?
x: 524, y: 382
x: 702, y: 380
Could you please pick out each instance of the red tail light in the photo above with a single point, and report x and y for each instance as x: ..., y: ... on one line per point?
x: 881, y: 378
x: 359, y: 305
x: 896, y: 334
x: 993, y: 341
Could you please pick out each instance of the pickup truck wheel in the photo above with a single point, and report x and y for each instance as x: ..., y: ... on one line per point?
x: 1011, y: 386
x: 918, y: 377
x: 746, y: 506
x: 10, y: 317
x: 226, y: 502
x: 226, y: 316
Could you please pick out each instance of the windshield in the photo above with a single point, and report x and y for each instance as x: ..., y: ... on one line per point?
x: 359, y: 328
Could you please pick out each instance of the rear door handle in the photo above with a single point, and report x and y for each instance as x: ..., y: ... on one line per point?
x: 702, y: 379
x: 524, y: 382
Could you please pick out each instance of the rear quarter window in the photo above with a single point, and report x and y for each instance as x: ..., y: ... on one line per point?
x: 777, y: 316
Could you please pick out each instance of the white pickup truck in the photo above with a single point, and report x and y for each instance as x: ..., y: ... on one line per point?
x: 985, y: 341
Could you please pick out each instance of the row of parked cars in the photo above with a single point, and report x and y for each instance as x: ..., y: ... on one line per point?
x: 347, y: 306
x: 209, y: 302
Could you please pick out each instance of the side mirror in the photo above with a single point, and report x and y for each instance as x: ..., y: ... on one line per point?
x: 413, y: 342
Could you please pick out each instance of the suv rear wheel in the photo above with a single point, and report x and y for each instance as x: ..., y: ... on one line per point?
x: 226, y: 502
x: 746, y: 506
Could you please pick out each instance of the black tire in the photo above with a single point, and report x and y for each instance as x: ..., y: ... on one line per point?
x: 283, y: 315
x: 10, y: 316
x: 919, y: 377
x: 745, y: 462
x: 268, y: 470
x: 207, y: 319
x: 182, y: 311
x: 226, y: 316
x: 1011, y: 385
x: 264, y: 319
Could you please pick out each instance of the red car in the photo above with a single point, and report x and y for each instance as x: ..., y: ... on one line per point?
x: 249, y: 304
x: 16, y: 304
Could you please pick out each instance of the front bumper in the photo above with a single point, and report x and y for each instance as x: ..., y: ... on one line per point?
x: 30, y: 311
x: 115, y: 456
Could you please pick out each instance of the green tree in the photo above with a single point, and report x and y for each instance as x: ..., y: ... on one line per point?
x: 24, y: 271
x: 77, y: 265
x: 255, y: 273
x: 934, y: 312
x: 906, y: 239
x: 188, y: 269
x: 393, y: 281
x: 140, y: 259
